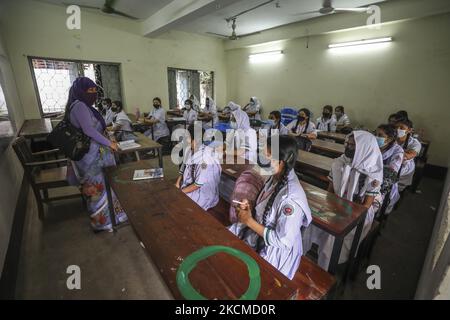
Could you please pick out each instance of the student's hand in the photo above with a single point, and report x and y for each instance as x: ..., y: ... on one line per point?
x: 178, y: 183
x: 114, y: 146
x: 244, y: 212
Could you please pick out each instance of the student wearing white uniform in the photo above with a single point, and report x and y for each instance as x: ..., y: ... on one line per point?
x: 121, y: 124
x: 342, y: 120
x: 356, y: 176
x: 303, y: 129
x: 190, y: 115
x: 253, y: 108
x: 242, y: 137
x: 195, y: 103
x: 392, y: 153
x: 200, y: 173
x: 157, y: 119
x: 411, y: 147
x: 326, y: 122
x: 210, y: 111
x: 281, y: 210
x: 276, y: 124
x: 109, y: 114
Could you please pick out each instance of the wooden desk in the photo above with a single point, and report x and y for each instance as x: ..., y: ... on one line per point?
x: 333, y: 149
x: 330, y: 213
x: 175, y: 113
x: 36, y: 128
x: 314, y: 165
x: 224, y: 117
x: 147, y: 144
x: 171, y: 227
x: 337, y: 137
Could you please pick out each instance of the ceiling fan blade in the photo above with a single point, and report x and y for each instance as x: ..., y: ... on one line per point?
x: 81, y: 6
x: 305, y: 13
x: 249, y: 34
x: 119, y: 13
x: 350, y: 9
x: 217, y: 34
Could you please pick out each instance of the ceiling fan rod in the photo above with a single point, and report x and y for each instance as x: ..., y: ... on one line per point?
x: 248, y: 10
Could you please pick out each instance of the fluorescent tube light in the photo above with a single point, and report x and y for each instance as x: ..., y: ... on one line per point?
x: 266, y: 54
x: 359, y: 43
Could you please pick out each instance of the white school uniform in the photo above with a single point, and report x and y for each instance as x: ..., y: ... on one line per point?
x: 212, y: 109
x: 255, y: 106
x: 409, y: 166
x: 281, y: 245
x: 190, y: 116
x: 202, y: 169
x: 243, y: 137
x: 393, y: 158
x: 109, y: 117
x: 343, y: 121
x: 305, y: 128
x: 160, y: 129
x: 328, y: 125
x: 352, y: 180
x: 123, y: 121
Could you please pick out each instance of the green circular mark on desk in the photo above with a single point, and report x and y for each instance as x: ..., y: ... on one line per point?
x: 190, y: 262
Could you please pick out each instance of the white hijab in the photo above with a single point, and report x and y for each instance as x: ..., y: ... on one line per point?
x: 242, y: 120
x: 367, y: 160
x: 256, y: 101
x: 212, y: 105
x: 233, y: 106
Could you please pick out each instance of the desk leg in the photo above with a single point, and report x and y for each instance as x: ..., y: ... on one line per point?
x: 112, y: 216
x: 355, y: 243
x: 138, y: 157
x: 335, y: 254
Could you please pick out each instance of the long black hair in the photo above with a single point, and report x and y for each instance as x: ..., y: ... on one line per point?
x: 288, y: 153
x: 410, y: 125
x: 308, y: 114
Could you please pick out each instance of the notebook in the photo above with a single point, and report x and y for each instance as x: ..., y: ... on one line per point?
x: 129, y: 144
x: 148, y: 174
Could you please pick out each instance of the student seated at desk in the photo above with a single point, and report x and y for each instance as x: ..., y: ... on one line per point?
x: 242, y: 139
x: 253, y: 108
x: 273, y: 226
x: 326, y: 122
x: 276, y: 124
x: 411, y: 147
x: 200, y: 173
x: 157, y: 119
x: 392, y: 153
x: 121, y: 125
x: 303, y: 129
x: 356, y: 176
x: 107, y: 113
x: 342, y: 120
x: 190, y: 114
x: 209, y: 111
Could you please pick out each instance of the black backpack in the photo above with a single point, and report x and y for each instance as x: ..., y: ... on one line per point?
x: 72, y: 142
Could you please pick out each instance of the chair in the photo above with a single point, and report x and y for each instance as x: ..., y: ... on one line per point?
x: 40, y: 177
x: 288, y: 114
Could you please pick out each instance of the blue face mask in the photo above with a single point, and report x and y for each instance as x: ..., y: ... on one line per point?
x: 381, y: 141
x: 271, y: 123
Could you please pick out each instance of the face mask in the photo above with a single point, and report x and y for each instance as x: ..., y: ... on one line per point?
x: 114, y: 110
x: 381, y: 141
x: 326, y: 115
x: 271, y: 122
x: 301, y: 119
x: 156, y: 106
x: 338, y: 114
x: 349, y: 152
x: 187, y: 106
x: 401, y: 133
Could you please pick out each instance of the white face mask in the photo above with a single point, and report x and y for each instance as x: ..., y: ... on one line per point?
x: 187, y: 106
x: 401, y: 133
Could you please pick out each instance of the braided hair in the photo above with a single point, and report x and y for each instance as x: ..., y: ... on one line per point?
x: 308, y: 114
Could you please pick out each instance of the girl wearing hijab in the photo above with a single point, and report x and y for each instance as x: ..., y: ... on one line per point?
x: 121, y: 124
x: 253, y: 108
x: 242, y: 137
x: 88, y: 172
x: 411, y: 147
x: 209, y: 111
x: 386, y: 136
x: 273, y: 226
x: 356, y: 176
x: 157, y: 119
x: 190, y: 115
x: 200, y: 173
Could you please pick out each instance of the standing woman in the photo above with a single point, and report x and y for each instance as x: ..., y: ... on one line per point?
x: 253, y: 108
x: 357, y: 176
x: 273, y: 226
x: 392, y: 153
x: 88, y: 172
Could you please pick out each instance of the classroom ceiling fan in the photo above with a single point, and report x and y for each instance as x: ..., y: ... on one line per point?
x: 327, y: 8
x: 108, y: 8
x: 234, y: 35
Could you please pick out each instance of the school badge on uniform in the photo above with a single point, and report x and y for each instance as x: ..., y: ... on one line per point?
x: 375, y: 183
x: 288, y: 209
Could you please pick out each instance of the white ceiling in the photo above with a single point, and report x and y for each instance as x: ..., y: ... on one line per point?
x: 265, y: 17
x: 141, y: 9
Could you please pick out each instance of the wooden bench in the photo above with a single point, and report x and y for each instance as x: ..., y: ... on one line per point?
x: 313, y: 282
x: 327, y: 148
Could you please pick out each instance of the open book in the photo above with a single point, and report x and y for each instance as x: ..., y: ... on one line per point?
x: 129, y: 144
x: 148, y: 174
